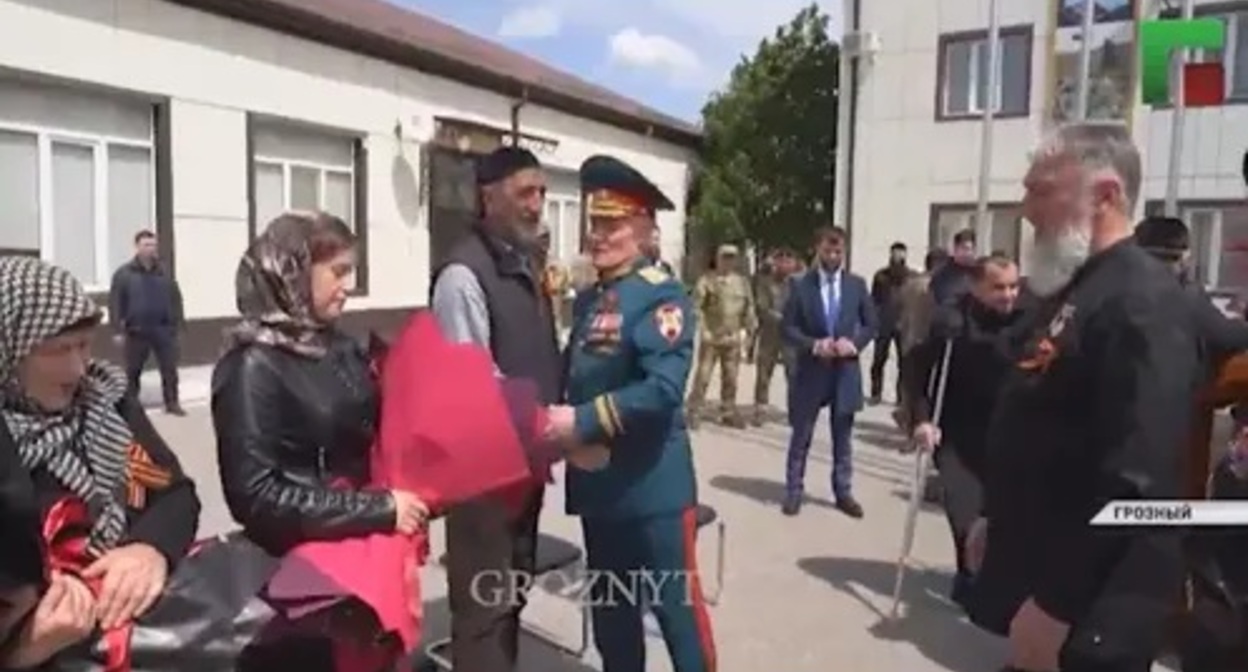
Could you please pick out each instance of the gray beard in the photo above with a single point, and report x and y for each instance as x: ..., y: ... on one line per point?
x: 1055, y: 260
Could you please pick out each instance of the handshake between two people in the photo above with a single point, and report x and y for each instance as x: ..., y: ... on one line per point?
x: 834, y: 348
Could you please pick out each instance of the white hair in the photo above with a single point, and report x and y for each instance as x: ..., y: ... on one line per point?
x: 1103, y: 147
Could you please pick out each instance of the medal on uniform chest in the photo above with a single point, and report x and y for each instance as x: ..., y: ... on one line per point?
x: 605, y: 326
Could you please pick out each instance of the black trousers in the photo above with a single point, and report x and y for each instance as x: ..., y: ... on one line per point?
x: 491, y: 553
x: 161, y: 342
x: 962, y: 494
x: 887, y: 340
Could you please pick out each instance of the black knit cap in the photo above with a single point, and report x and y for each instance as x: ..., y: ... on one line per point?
x: 504, y: 162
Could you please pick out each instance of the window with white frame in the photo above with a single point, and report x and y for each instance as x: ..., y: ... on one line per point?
x: 1234, y: 57
x: 76, y: 177
x: 563, y: 217
x: 298, y: 168
x: 964, y: 76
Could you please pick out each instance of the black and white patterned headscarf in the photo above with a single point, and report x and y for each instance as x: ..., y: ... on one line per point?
x: 84, y: 447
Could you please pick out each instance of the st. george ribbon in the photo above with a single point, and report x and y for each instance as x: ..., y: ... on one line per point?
x: 451, y: 430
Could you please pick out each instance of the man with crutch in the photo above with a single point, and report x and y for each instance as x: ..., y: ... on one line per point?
x: 977, y: 330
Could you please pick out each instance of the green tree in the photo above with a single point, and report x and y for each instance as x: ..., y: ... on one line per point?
x: 769, y: 160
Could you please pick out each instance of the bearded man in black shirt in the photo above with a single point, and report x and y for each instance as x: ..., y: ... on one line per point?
x: 1096, y: 410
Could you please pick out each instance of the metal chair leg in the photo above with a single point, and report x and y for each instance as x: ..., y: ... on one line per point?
x: 712, y: 598
x: 436, y: 651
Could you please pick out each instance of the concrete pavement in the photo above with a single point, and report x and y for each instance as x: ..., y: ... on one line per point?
x: 802, y: 594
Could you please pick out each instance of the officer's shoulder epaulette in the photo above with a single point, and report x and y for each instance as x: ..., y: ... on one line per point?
x: 653, y: 275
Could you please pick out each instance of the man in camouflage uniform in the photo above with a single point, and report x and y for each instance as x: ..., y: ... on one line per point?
x: 725, y: 305
x: 771, y: 290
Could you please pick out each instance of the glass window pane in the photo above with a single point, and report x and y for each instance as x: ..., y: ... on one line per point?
x: 305, y: 188
x: 1014, y: 74
x: 982, y: 58
x: 340, y: 195
x: 1201, y: 223
x: 1233, y: 265
x: 454, y: 182
x: 1239, y: 69
x: 1005, y: 232
x: 73, y: 207
x: 948, y: 224
x: 270, y: 194
x: 19, y: 193
x: 958, y: 77
x: 129, y: 200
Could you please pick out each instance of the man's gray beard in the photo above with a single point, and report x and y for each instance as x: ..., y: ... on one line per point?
x: 1056, y: 259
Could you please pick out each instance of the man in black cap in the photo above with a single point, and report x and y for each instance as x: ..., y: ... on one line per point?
x: 489, y: 293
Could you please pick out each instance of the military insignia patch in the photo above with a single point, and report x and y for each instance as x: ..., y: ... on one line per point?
x: 142, y: 476
x: 670, y: 320
x: 605, y: 324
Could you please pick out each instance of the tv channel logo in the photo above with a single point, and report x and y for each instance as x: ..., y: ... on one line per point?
x: 1204, y: 84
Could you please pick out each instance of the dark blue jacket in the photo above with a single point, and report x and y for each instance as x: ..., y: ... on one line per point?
x: 144, y: 298
x: 629, y: 357
x: 804, y: 323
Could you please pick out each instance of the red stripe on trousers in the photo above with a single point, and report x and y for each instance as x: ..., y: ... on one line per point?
x: 700, y: 614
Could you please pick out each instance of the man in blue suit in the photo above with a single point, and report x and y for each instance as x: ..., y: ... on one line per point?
x: 828, y: 319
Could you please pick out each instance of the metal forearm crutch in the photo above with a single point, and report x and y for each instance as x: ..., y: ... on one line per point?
x: 921, y: 465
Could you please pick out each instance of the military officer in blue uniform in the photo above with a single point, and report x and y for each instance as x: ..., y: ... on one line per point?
x: 629, y: 355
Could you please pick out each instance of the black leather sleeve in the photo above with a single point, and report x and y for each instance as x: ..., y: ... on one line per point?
x: 252, y: 423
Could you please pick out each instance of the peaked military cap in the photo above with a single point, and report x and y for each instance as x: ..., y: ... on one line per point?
x: 615, y: 189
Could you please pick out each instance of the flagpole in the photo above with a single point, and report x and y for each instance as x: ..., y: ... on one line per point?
x: 1177, y: 119
x: 983, y: 226
x: 1083, y: 99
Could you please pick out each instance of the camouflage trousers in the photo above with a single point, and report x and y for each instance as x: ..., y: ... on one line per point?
x: 771, y: 352
x: 728, y: 356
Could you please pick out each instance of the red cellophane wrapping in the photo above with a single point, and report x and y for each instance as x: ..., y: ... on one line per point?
x: 451, y: 430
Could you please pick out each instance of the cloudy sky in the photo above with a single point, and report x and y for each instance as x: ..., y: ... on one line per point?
x: 668, y: 54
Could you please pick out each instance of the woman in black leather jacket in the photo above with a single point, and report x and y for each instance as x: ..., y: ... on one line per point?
x: 294, y: 401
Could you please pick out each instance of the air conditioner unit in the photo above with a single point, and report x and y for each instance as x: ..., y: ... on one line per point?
x: 860, y: 44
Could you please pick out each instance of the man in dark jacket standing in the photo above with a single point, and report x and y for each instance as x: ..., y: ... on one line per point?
x: 145, y: 307
x: 885, y: 292
x: 953, y: 278
x: 1168, y: 240
x: 488, y: 292
x: 1096, y: 410
x: 978, y: 331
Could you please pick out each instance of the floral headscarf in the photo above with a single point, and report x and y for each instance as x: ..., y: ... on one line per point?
x: 273, y: 289
x: 84, y: 447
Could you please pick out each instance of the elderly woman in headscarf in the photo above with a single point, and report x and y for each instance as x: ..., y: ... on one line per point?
x: 114, y: 509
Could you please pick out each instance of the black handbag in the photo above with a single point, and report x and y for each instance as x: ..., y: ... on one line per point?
x: 214, y: 616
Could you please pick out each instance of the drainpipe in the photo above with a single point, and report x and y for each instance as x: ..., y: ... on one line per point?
x: 515, y: 116
x: 847, y: 143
